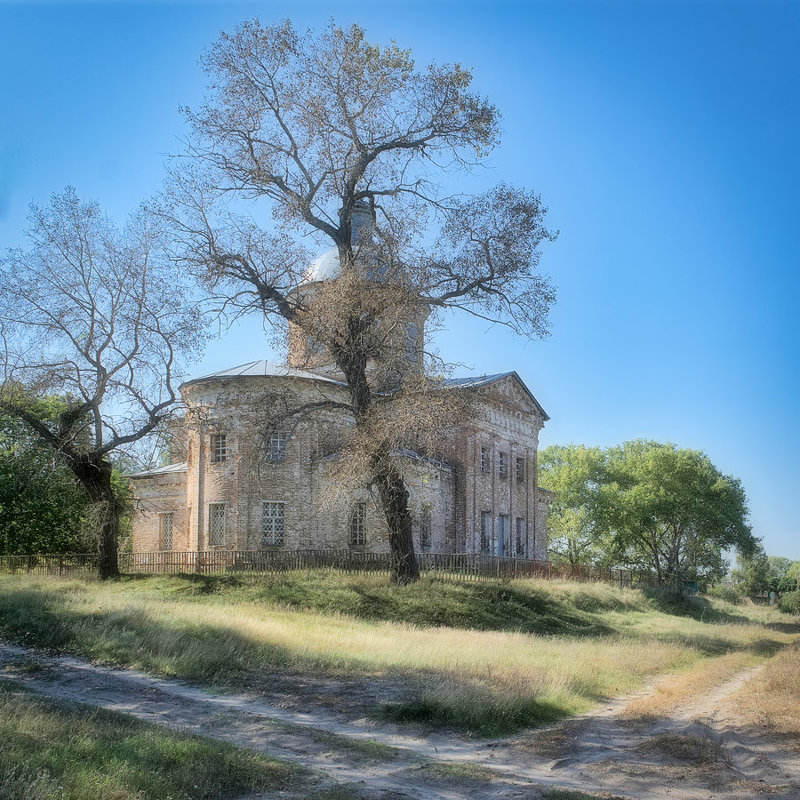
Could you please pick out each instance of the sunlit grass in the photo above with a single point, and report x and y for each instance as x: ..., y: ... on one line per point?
x: 66, y: 751
x: 598, y: 640
x: 772, y: 698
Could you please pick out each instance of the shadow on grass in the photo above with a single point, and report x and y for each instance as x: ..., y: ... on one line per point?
x: 218, y: 655
x: 698, y: 608
x: 63, y: 749
x: 476, y: 717
x: 427, y: 603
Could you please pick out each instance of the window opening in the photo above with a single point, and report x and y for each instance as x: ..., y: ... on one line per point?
x: 425, y: 529
x: 272, y: 523
x: 502, y: 465
x: 166, y: 526
x: 358, y: 530
x: 216, y: 524
x: 486, y: 530
x: 276, y: 447
x: 219, y: 447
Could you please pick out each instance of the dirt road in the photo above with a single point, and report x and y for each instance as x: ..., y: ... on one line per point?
x: 699, y: 752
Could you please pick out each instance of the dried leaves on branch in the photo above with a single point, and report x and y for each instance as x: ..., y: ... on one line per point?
x: 307, y: 138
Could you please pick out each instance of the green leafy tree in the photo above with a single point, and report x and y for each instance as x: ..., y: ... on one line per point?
x: 42, y: 507
x: 573, y: 473
x: 672, y: 510
x: 758, y: 574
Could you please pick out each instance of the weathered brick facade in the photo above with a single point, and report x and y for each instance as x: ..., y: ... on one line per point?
x: 243, y: 488
x: 246, y: 486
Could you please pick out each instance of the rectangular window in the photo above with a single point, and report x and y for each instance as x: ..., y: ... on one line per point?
x: 520, y: 469
x: 503, y: 533
x: 276, y: 447
x: 357, y: 526
x: 425, y: 529
x: 272, y: 523
x: 502, y: 465
x: 486, y: 531
x: 520, y: 536
x: 166, y: 525
x: 216, y: 524
x: 486, y: 461
x: 219, y: 447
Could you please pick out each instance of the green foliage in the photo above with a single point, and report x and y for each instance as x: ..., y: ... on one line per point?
x: 727, y: 592
x: 758, y: 574
x: 647, y: 505
x: 573, y: 473
x: 55, y: 751
x: 789, y: 603
x: 42, y: 507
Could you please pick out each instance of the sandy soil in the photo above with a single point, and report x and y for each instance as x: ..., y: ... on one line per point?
x: 700, y: 752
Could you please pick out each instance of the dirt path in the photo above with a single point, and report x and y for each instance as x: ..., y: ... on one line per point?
x: 696, y: 754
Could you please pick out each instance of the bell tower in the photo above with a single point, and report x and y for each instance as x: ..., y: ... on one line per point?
x: 400, y: 331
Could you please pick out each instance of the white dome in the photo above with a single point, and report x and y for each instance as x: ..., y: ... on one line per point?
x: 323, y: 267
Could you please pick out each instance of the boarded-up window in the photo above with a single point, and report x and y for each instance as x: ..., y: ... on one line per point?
x: 358, y: 525
x: 503, y: 534
x: 425, y: 528
x: 219, y: 447
x: 486, y: 531
x: 520, y: 536
x: 272, y: 523
x: 166, y: 526
x: 216, y: 524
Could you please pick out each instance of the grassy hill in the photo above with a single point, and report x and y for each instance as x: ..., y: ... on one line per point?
x: 485, y: 657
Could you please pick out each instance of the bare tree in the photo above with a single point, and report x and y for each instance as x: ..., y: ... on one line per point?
x: 93, y: 314
x: 340, y: 139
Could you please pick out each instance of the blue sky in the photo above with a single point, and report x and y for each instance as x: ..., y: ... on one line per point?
x: 663, y: 136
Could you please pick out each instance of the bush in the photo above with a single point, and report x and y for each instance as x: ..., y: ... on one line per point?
x: 789, y: 603
x: 726, y: 592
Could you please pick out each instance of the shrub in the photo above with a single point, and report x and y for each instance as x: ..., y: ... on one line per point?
x: 726, y: 592
x: 789, y: 603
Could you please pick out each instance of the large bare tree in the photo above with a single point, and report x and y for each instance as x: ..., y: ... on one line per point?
x: 92, y: 313
x: 309, y: 134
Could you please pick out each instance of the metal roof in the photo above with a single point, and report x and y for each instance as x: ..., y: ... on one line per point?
x: 168, y: 470
x: 264, y: 368
x: 261, y: 369
x: 485, y: 380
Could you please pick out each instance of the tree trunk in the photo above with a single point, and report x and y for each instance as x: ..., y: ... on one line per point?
x: 352, y: 361
x: 96, y: 479
x: 394, y: 500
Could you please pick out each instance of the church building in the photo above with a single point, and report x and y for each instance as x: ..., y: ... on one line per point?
x: 247, y: 484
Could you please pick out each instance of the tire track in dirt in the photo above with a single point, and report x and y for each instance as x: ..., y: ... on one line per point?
x: 598, y: 752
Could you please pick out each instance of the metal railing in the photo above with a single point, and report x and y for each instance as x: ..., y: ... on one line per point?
x: 466, y: 566
x: 457, y: 566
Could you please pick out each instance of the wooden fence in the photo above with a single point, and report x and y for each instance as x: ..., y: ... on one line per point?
x: 49, y: 564
x: 457, y: 566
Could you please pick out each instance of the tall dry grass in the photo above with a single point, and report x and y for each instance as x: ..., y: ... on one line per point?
x: 609, y: 641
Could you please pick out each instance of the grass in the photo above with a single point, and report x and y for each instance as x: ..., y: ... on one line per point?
x: 486, y: 658
x: 55, y: 751
x: 690, y: 749
x: 678, y: 689
x: 771, y: 700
